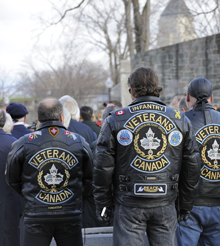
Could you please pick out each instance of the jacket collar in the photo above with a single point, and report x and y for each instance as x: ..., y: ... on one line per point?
x: 2, y: 132
x: 147, y: 99
x: 198, y: 107
x: 51, y: 123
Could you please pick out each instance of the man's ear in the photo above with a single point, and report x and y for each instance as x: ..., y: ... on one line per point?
x: 210, y: 99
x: 25, y: 118
x: 187, y: 97
x: 62, y: 118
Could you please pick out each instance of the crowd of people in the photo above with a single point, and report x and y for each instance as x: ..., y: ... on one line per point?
x: 146, y: 169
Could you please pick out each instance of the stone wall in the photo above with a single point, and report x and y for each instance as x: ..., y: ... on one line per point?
x: 178, y: 64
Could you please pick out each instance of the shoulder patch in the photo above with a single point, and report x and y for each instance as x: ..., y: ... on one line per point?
x: 175, y: 138
x: 70, y: 134
x: 34, y: 135
x: 53, y: 131
x: 125, y: 137
x: 120, y: 112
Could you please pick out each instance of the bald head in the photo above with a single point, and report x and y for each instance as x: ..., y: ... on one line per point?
x: 50, y: 109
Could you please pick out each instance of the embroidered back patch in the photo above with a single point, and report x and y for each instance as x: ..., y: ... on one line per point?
x: 54, y: 165
x: 150, y: 189
x: 53, y: 131
x: 209, y: 138
x: 150, y: 132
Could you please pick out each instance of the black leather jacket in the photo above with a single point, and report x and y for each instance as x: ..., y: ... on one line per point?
x: 145, y: 150
x: 49, y: 168
x: 208, y: 139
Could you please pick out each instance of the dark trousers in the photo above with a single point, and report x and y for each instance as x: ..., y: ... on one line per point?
x: 41, y: 234
x: 131, y: 224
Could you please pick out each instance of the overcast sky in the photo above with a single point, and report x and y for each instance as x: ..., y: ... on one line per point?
x: 16, y: 25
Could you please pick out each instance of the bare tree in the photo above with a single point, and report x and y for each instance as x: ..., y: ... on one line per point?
x: 105, y: 29
x: 78, y: 80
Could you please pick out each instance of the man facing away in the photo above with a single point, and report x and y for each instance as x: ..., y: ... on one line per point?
x: 86, y: 113
x: 74, y: 126
x: 202, y: 228
x: 49, y: 169
x: 145, y: 150
x: 18, y: 113
x: 9, y: 214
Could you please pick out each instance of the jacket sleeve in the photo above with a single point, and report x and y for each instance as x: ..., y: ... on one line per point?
x: 190, y: 170
x: 14, y: 166
x: 87, y: 169
x: 104, y: 165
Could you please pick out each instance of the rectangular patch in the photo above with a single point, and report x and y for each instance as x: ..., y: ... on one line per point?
x: 147, y: 106
x: 150, y: 189
x: 120, y: 112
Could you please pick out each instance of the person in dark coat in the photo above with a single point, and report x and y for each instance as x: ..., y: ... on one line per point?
x: 18, y: 113
x: 71, y: 105
x: 86, y: 116
x: 9, y: 219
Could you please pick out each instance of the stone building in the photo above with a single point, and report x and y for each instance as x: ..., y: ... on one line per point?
x: 175, y: 24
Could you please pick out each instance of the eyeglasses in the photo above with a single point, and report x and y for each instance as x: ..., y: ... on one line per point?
x: 129, y: 90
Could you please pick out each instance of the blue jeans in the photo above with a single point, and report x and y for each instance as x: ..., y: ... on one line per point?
x: 131, y: 224
x: 202, y: 227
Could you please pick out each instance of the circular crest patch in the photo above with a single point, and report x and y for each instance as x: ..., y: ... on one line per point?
x: 175, y: 138
x: 125, y: 137
x: 211, y: 153
x: 150, y: 141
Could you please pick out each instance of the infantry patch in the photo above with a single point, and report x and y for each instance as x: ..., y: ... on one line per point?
x: 175, y: 138
x: 124, y: 137
x: 147, y: 166
x: 53, y: 131
x: 209, y: 138
x: 150, y: 189
x: 147, y: 106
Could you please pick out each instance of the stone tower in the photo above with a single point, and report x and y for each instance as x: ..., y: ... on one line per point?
x: 175, y: 24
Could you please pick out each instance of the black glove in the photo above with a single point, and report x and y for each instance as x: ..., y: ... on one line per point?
x: 106, y: 216
x: 184, y: 215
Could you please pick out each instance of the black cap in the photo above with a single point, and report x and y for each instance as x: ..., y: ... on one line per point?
x: 16, y: 110
x: 200, y: 88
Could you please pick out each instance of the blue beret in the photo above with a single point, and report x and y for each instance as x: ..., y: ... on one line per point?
x: 16, y: 110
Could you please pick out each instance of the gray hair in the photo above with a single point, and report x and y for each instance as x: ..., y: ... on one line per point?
x: 107, y: 111
x: 8, y: 124
x: 67, y: 117
x: 182, y: 104
x: 49, y: 109
x: 2, y: 118
x: 70, y: 104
